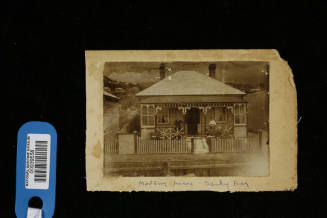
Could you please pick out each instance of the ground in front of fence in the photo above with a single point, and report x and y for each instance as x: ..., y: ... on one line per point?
x: 210, y: 164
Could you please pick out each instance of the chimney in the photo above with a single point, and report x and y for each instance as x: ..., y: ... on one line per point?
x: 220, y: 72
x: 162, y: 70
x: 212, y: 71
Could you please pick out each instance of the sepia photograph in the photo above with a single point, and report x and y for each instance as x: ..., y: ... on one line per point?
x: 189, y: 119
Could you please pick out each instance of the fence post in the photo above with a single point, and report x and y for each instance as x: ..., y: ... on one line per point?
x: 260, y: 140
x: 135, y: 141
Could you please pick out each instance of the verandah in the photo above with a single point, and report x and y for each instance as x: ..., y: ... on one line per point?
x: 173, y: 120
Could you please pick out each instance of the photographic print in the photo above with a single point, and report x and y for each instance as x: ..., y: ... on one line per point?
x: 220, y: 120
x: 186, y: 118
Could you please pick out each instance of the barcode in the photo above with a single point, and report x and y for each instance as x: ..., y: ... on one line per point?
x: 37, y: 161
x: 41, y: 159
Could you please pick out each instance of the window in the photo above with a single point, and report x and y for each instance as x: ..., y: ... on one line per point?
x: 147, y: 115
x: 240, y: 113
x: 163, y: 116
x: 220, y: 114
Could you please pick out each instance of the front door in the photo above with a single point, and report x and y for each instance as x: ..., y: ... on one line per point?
x: 192, y: 120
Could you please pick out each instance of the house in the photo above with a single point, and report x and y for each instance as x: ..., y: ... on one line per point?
x: 192, y: 104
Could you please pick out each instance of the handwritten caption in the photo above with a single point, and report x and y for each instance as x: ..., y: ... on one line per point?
x: 219, y: 183
x: 227, y: 185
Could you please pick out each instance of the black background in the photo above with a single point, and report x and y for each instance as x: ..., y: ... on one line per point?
x: 43, y: 76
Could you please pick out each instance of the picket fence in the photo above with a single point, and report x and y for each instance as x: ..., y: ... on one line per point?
x: 162, y: 146
x: 216, y: 145
x: 111, y: 145
x: 246, y: 144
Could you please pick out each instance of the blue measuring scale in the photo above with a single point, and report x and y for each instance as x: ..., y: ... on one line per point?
x: 36, y: 169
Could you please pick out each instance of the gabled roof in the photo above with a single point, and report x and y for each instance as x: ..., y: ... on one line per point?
x: 189, y: 83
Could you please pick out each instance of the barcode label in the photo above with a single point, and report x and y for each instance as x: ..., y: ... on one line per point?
x: 37, y: 161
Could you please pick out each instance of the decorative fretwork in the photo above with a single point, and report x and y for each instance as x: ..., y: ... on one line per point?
x: 197, y: 105
x: 184, y: 109
x: 170, y: 133
x: 231, y: 108
x: 205, y: 109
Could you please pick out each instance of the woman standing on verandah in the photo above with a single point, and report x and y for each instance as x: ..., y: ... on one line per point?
x: 212, y: 131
